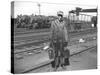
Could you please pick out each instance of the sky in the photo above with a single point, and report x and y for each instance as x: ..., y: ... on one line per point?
x: 50, y: 7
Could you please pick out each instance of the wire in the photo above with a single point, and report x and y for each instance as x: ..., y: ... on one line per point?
x: 66, y: 4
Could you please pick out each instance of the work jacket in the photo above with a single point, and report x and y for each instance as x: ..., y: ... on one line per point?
x: 59, y: 31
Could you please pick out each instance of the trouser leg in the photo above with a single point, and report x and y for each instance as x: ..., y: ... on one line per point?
x: 62, y: 60
x: 55, y: 62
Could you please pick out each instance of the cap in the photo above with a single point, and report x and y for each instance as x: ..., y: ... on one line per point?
x: 60, y: 13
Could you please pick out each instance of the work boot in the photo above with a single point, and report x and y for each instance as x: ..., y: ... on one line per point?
x: 54, y: 69
x: 64, y: 67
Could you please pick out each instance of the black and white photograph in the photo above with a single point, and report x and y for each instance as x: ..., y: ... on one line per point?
x: 53, y: 37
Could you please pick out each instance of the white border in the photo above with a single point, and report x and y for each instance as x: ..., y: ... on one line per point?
x: 5, y: 42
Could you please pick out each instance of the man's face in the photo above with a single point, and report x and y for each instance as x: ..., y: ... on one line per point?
x: 60, y: 17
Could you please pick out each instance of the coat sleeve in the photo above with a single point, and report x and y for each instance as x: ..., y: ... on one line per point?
x: 66, y: 33
x: 51, y: 33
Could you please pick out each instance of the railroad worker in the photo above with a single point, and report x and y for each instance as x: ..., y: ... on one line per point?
x: 59, y: 40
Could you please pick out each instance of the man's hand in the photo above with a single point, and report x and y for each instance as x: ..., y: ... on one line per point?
x: 65, y: 44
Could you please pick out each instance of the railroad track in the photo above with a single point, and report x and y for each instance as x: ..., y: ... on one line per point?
x: 32, y: 41
x: 31, y: 31
x: 47, y: 33
x: 48, y: 63
x: 37, y: 50
x: 35, y: 31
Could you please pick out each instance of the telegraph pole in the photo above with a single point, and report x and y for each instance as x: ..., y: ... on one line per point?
x: 39, y: 9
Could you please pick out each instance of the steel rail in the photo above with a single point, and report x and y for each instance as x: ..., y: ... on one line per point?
x: 47, y: 39
x: 41, y: 47
x: 40, y: 66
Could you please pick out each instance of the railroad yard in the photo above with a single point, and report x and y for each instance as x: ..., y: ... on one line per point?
x: 30, y: 57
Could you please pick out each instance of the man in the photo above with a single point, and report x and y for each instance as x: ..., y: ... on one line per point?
x: 59, y: 40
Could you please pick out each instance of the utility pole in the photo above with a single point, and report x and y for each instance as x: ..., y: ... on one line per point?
x: 39, y: 9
